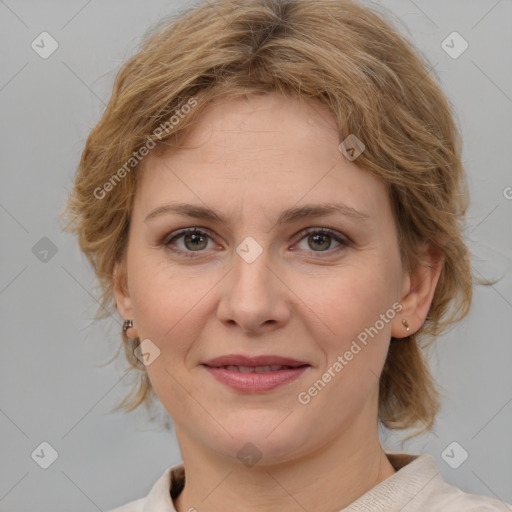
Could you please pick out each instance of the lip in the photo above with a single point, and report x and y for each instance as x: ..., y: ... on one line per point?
x: 264, y: 360
x: 255, y: 382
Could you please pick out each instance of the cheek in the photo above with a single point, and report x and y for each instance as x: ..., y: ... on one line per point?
x: 356, y: 312
x: 351, y: 300
x: 168, y: 303
x: 169, y: 312
x: 154, y: 296
x: 352, y: 335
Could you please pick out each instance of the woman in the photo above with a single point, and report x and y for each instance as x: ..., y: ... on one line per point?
x: 273, y: 199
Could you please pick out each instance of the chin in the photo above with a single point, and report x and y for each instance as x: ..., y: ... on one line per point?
x: 263, y: 441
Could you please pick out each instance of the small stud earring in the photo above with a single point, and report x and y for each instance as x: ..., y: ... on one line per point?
x: 127, y: 325
x: 406, y: 325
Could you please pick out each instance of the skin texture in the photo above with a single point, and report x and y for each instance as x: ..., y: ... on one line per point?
x: 251, y: 159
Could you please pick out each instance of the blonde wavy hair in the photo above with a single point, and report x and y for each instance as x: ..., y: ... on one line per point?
x: 339, y: 53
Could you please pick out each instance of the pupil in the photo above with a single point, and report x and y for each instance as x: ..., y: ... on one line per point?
x: 319, y: 236
x: 196, y: 238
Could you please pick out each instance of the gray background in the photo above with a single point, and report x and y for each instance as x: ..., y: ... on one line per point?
x: 51, y: 385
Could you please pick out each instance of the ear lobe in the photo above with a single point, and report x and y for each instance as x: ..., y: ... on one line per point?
x: 419, y: 288
x: 121, y: 293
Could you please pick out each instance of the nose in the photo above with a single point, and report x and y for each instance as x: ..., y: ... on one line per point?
x: 254, y: 296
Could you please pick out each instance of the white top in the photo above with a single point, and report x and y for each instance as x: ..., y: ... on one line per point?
x: 417, y: 486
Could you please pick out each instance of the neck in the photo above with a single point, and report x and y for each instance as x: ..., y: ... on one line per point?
x: 329, y: 479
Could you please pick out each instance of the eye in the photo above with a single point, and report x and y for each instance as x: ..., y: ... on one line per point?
x: 320, y: 240
x: 194, y: 240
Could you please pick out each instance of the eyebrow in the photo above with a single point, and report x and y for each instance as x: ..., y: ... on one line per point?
x: 286, y: 217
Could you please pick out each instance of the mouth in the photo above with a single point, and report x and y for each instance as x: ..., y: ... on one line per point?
x: 268, y: 362
x: 255, y: 374
x: 257, y: 369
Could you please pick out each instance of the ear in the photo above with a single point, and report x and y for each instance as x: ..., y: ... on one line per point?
x: 418, y: 289
x: 122, y: 294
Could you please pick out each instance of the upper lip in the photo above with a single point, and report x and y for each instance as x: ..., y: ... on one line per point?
x: 264, y: 360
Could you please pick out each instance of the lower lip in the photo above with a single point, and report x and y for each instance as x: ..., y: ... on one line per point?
x: 255, y: 382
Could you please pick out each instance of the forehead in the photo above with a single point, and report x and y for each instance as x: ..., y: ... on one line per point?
x: 238, y: 123
x: 270, y: 151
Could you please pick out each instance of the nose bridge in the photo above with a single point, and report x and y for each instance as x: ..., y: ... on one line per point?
x: 251, y: 272
x: 251, y: 297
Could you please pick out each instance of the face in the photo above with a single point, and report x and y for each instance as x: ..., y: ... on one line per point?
x: 259, y: 281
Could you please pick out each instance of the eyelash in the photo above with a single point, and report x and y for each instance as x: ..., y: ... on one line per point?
x: 345, y: 242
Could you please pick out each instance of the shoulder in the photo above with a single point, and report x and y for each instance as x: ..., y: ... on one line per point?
x: 448, y: 498
x: 418, y: 486
x: 132, y: 506
x: 161, y: 494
